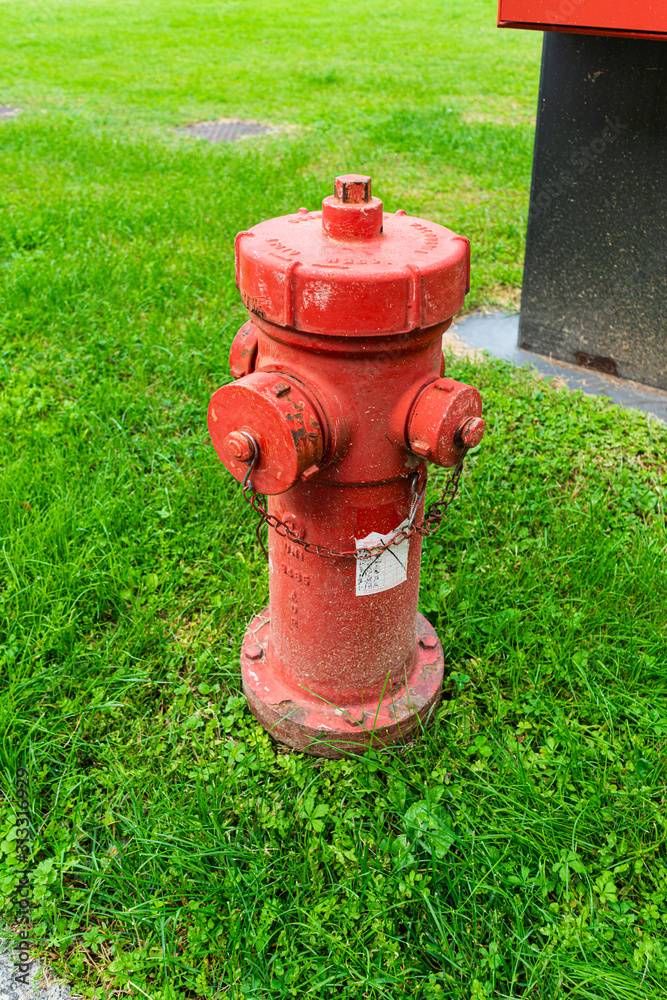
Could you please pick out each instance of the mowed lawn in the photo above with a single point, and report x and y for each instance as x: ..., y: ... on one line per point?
x: 517, y: 850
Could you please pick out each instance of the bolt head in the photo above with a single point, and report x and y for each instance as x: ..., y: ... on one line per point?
x: 420, y: 447
x: 445, y: 384
x: 471, y: 431
x: 308, y: 473
x: 254, y: 651
x: 239, y: 446
x: 428, y: 641
x: 353, y: 188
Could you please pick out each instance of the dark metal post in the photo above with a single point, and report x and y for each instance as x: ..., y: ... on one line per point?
x: 595, y: 278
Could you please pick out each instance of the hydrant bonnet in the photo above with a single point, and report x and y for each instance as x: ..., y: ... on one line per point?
x: 350, y: 269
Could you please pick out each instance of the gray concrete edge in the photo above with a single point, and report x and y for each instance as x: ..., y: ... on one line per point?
x: 496, y: 334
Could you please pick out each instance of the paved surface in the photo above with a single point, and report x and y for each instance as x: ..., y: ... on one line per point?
x: 7, y: 111
x: 224, y: 130
x: 497, y: 333
x: 42, y: 986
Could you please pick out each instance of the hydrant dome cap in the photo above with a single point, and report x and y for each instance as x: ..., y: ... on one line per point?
x: 412, y: 274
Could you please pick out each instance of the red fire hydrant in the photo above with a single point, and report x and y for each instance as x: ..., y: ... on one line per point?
x: 339, y: 402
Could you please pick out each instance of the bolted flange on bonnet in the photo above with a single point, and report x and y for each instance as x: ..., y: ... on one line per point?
x: 352, y: 269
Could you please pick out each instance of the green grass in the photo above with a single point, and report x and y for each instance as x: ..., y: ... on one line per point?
x: 516, y: 850
x: 432, y: 100
x: 172, y: 61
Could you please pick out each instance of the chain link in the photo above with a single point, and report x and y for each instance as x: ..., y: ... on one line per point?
x: 432, y: 516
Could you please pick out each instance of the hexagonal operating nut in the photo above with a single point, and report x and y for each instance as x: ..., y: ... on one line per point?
x: 444, y: 419
x: 240, y: 446
x: 353, y: 188
x: 351, y: 213
x: 470, y: 432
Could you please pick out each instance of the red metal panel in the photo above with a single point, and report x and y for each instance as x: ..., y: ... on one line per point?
x: 645, y: 18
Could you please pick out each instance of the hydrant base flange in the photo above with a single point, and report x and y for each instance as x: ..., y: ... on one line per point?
x: 315, y: 725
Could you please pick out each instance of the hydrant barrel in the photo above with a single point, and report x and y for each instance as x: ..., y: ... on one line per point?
x: 339, y: 402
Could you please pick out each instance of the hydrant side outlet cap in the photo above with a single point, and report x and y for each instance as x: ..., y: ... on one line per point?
x: 273, y: 414
x: 352, y: 269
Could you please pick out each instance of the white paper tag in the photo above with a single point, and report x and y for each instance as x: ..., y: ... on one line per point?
x: 384, y: 570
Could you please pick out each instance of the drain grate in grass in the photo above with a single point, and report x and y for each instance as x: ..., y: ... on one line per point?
x: 7, y: 111
x: 225, y: 130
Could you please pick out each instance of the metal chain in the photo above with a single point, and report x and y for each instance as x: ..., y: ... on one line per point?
x: 432, y: 516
